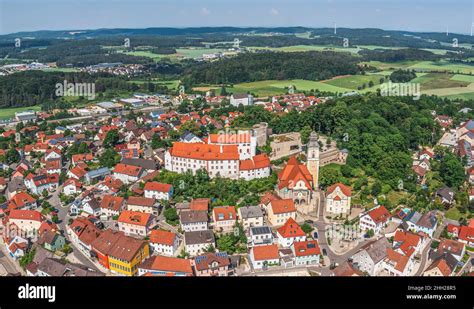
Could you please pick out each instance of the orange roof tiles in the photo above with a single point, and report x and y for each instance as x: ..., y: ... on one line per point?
x: 305, y: 248
x: 204, y: 151
x: 379, y: 214
x: 269, y: 252
x: 130, y: 170
x: 140, y: 201
x: 134, y: 217
x: 168, y: 264
x: 283, y: 206
x: 291, y: 229
x: 229, y: 138
x: 162, y: 237
x: 346, y: 190
x: 257, y: 162
x: 294, y: 172
x: 224, y: 213
x: 25, y: 215
x: 200, y: 204
x: 112, y: 202
x: 157, y: 186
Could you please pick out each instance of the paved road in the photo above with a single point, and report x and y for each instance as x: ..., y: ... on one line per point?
x: 10, y: 266
x: 424, y: 259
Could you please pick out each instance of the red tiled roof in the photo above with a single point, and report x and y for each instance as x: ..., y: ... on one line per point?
x: 204, y: 151
x: 111, y: 202
x: 224, y: 213
x: 229, y: 138
x: 25, y: 215
x: 283, y: 206
x: 291, y: 229
x: 140, y: 201
x: 157, y: 186
x: 346, y: 190
x: 257, y: 162
x: 269, y: 252
x: 379, y: 214
x: 306, y: 248
x: 294, y: 172
x: 168, y: 264
x: 200, y: 204
x: 162, y: 237
x: 134, y: 217
x: 130, y: 170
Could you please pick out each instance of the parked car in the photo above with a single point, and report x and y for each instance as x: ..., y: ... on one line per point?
x: 325, y: 253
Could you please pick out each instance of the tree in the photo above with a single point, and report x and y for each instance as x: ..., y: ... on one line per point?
x: 307, y: 228
x: 171, y: 216
x: 109, y: 158
x: 452, y: 171
x: 156, y: 141
x: 111, y: 139
x: 305, y: 133
x: 12, y: 156
x: 376, y: 188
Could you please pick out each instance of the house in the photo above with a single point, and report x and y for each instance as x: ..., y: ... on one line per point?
x: 442, y: 266
x: 82, y: 233
x: 165, y: 266
x: 263, y: 256
x: 255, y: 167
x: 119, y: 253
x: 397, y: 264
x: 427, y: 223
x: 241, y: 98
x: 250, y: 216
x: 375, y: 219
x: 197, y: 242
x: 280, y: 211
x: 27, y: 221
x: 164, y: 242
x: 110, y: 184
x: 22, y: 200
x: 16, y: 246
x: 224, y: 218
x: 289, y: 233
x: 52, y: 240
x: 135, y: 223
x: 338, y: 200
x: 201, y: 204
x: 142, y: 204
x: 260, y: 235
x: 51, y: 267
x: 127, y: 173
x: 408, y: 243
x: 149, y: 166
x: 91, y: 206
x: 369, y: 259
x: 212, y: 265
x: 464, y: 234
x: 346, y: 269
x: 193, y: 220
x: 456, y: 248
x: 188, y: 137
x: 77, y: 172
x: 306, y: 252
x: 158, y: 191
x: 446, y: 195
x: 96, y: 175
x: 72, y: 186
x: 111, y: 206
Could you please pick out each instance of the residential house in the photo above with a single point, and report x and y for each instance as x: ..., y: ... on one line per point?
x: 212, y: 265
x: 135, y: 223
x: 193, y: 220
x: 159, y: 191
x: 111, y: 206
x: 263, y: 256
x: 375, y: 219
x: 224, y: 218
x: 280, y: 211
x: 142, y: 204
x: 338, y: 200
x: 197, y: 242
x: 165, y: 266
x: 127, y: 173
x: 369, y: 258
x: 260, y: 235
x: 250, y: 216
x: 164, y: 242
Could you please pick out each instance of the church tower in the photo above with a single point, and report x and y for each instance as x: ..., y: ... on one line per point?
x: 313, y: 158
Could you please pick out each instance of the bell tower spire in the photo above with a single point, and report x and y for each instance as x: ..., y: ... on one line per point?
x: 313, y: 158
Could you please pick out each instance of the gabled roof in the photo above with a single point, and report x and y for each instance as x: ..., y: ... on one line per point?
x: 211, y: 260
x: 294, y: 172
x: 268, y: 252
x: 168, y: 264
x: 346, y: 190
x: 306, y: 248
x: 158, y: 186
x: 291, y: 229
x: 25, y: 215
x: 134, y: 217
x: 162, y: 237
x: 224, y: 213
x: 283, y: 206
x: 379, y: 214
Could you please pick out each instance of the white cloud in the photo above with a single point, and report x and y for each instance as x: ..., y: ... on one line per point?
x: 205, y: 11
x: 274, y: 12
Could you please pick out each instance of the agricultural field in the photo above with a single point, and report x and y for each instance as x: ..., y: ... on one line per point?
x: 274, y: 87
x: 354, y: 81
x: 170, y: 84
x: 8, y: 113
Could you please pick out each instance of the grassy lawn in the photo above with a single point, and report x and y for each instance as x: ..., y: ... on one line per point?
x: 170, y: 84
x: 155, y: 57
x: 438, y: 81
x: 463, y: 78
x: 196, y: 52
x: 453, y: 214
x: 60, y: 70
x: 7, y: 113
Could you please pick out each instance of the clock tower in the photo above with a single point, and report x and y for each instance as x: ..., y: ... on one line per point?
x: 313, y: 158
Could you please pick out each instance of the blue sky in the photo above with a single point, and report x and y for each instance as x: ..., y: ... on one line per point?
x: 414, y: 15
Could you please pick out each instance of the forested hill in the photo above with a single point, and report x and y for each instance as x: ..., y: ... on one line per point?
x: 279, y: 66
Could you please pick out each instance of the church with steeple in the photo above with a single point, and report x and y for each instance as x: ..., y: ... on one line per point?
x: 298, y: 181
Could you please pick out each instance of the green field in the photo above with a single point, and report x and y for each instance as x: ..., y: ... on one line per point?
x: 275, y: 87
x: 170, y: 84
x: 355, y: 81
x: 7, y: 113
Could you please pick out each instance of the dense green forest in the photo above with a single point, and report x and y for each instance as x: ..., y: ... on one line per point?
x: 255, y: 67
x: 402, y: 76
x: 394, y: 55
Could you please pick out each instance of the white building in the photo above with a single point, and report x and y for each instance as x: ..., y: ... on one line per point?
x: 244, y: 99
